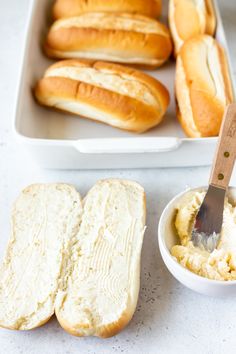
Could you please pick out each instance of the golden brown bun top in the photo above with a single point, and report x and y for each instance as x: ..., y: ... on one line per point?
x: 69, y: 8
x: 113, y: 21
x: 156, y: 88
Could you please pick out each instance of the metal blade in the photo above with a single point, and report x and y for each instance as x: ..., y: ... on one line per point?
x: 208, y: 223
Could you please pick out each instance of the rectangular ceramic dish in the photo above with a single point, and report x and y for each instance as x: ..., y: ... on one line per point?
x: 58, y: 140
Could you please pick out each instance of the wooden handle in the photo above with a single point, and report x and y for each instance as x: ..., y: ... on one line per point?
x: 226, y: 150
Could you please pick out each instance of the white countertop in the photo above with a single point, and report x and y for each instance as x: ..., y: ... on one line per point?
x: 169, y: 318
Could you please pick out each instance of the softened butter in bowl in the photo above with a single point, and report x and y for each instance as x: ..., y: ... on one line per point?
x: 221, y: 263
x: 207, y: 273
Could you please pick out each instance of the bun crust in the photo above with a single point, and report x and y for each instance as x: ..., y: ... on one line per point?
x: 70, y: 8
x: 122, y: 38
x: 203, y: 87
x: 188, y: 19
x: 110, y: 93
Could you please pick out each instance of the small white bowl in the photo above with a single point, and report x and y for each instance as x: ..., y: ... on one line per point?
x: 167, y: 239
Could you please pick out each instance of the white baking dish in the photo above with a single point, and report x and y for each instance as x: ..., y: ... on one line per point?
x: 60, y: 140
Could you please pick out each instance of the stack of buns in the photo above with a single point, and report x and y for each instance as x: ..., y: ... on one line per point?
x: 122, y: 38
x: 123, y: 31
x: 95, y: 36
x: 77, y: 259
x: 202, y: 83
x: 90, y: 33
